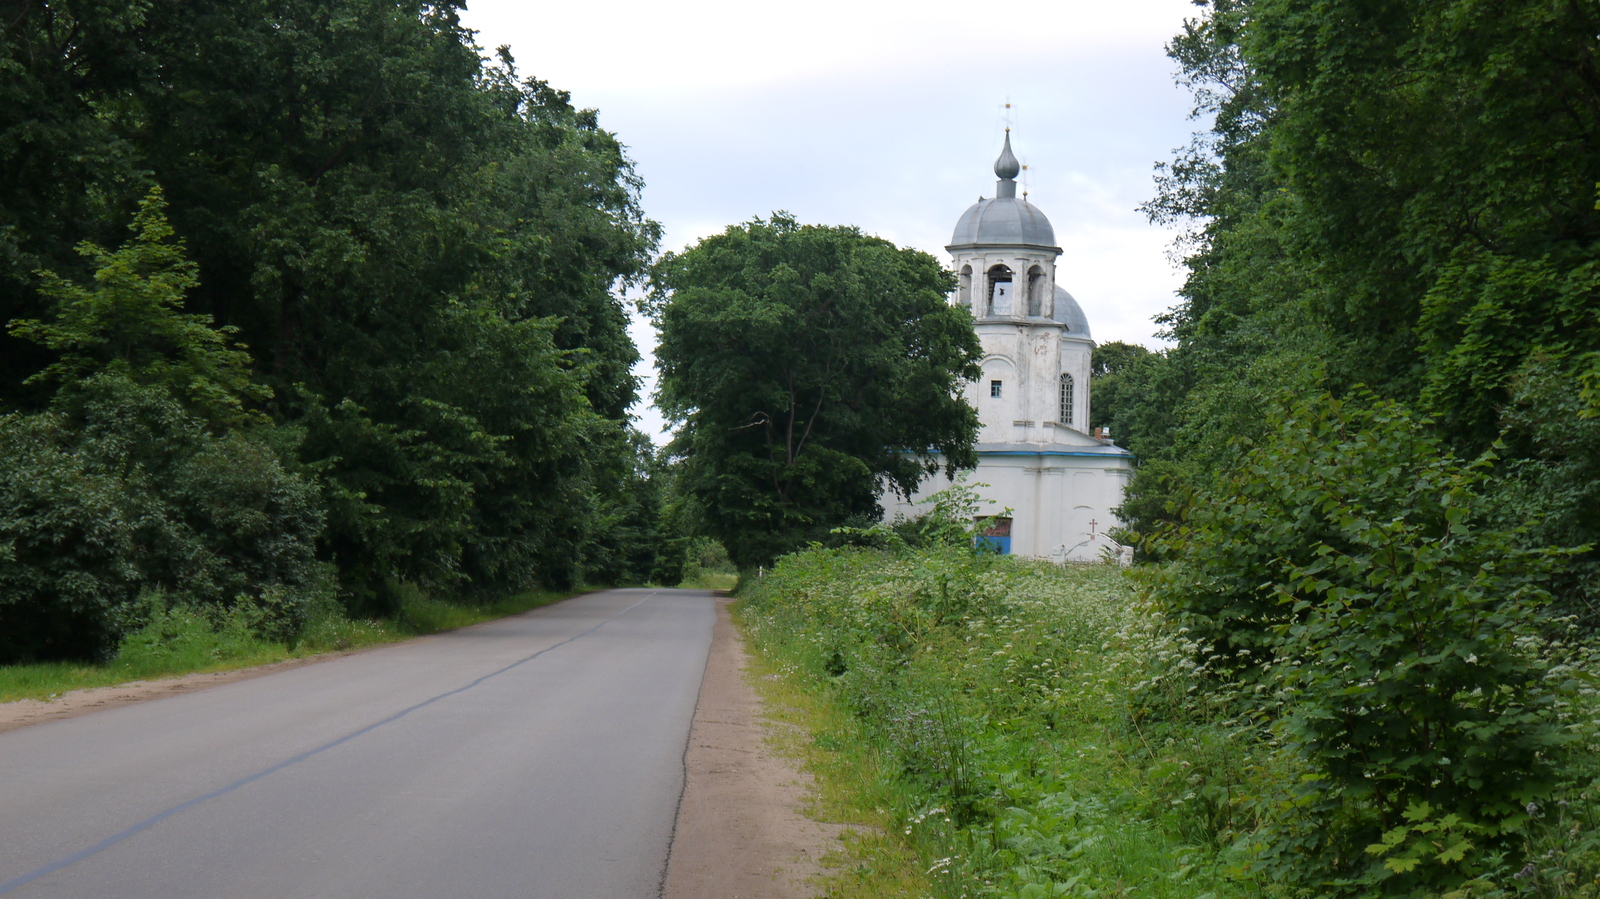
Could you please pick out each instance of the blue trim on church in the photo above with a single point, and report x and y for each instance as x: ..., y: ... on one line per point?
x: 1101, y: 455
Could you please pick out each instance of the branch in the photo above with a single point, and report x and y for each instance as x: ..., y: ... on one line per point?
x: 788, y: 439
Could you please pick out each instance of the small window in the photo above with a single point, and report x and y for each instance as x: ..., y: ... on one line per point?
x: 994, y: 389
x: 1066, y: 399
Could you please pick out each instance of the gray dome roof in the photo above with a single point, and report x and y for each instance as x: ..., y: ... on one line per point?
x: 1004, y: 221
x: 1069, y: 313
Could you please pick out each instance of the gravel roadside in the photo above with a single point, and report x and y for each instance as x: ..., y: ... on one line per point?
x: 740, y: 834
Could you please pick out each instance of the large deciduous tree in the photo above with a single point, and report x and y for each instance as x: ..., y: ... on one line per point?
x: 1398, y: 195
x: 809, y: 369
x: 1394, y: 206
x: 421, y: 249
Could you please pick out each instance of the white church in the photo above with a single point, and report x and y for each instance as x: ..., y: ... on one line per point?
x: 1035, y: 451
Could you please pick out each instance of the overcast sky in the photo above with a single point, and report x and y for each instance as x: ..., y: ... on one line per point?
x: 884, y: 115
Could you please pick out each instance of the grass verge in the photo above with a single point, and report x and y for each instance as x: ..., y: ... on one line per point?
x: 712, y: 580
x: 854, y: 785
x: 1014, y: 729
x: 982, y: 716
x: 179, y: 640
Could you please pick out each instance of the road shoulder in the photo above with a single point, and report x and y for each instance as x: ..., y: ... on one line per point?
x: 27, y: 712
x: 740, y: 832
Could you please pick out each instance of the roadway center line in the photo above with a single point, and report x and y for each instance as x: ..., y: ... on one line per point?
x: 157, y: 818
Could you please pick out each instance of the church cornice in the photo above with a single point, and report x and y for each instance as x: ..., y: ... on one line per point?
x: 1001, y: 247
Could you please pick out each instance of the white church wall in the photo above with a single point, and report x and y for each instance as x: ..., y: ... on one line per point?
x: 1075, y: 357
x: 1060, y: 504
x: 995, y: 412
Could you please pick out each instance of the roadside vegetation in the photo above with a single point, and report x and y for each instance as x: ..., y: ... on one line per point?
x: 707, y: 566
x: 982, y: 722
x: 183, y: 639
x: 1402, y: 713
x: 326, y: 318
x: 1394, y: 202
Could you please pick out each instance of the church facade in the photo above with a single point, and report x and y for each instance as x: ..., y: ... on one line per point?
x: 1036, y: 454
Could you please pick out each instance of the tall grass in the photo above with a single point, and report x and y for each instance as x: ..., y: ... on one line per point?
x: 1000, y: 696
x: 177, y: 639
x: 1027, y: 730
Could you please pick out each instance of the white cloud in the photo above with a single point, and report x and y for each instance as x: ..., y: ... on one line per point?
x: 883, y: 115
x: 634, y: 46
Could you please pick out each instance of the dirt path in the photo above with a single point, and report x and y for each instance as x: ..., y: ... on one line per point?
x: 740, y: 834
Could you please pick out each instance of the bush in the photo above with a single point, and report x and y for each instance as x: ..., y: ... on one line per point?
x: 149, y: 472
x: 1350, y: 562
x: 126, y: 491
x: 67, y: 546
x: 176, y: 638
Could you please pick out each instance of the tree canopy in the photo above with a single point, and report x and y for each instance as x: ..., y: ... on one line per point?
x: 1368, y: 464
x: 1399, y: 197
x: 808, y: 369
x: 387, y: 254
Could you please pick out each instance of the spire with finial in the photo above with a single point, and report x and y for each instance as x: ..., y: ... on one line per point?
x: 1007, y: 167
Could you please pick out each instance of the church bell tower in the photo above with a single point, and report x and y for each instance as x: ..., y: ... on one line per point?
x: 1050, y: 488
x: 1035, y: 338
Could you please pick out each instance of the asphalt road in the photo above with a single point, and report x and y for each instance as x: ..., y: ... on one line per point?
x: 539, y: 756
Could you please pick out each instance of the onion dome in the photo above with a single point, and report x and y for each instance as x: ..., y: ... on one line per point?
x: 1005, y: 220
x: 1006, y: 168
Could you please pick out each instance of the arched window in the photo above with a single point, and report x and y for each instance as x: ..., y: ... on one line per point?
x: 1035, y: 291
x: 999, y: 290
x: 964, y: 291
x: 1066, y: 399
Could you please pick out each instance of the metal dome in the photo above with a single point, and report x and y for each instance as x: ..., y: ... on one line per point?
x: 1069, y: 313
x: 1004, y: 221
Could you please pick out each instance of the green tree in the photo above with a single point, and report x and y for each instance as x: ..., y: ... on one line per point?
x: 1388, y: 195
x: 129, y: 323
x: 146, y: 475
x: 73, y: 173
x: 423, y: 250
x: 809, y: 369
x: 1110, y: 364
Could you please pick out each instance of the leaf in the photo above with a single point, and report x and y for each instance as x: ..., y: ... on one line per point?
x: 1401, y: 865
x: 1456, y: 852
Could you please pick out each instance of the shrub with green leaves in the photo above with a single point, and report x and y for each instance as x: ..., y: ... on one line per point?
x: 149, y: 472
x: 131, y: 492
x: 1352, y: 563
x: 67, y: 546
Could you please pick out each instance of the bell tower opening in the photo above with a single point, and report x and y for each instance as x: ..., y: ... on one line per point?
x: 999, y: 290
x: 964, y: 287
x: 1035, y: 291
